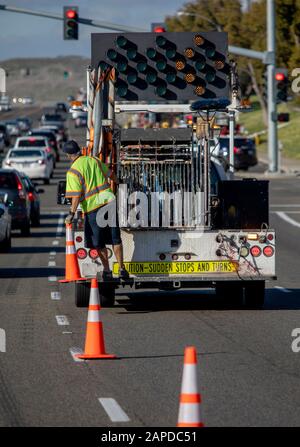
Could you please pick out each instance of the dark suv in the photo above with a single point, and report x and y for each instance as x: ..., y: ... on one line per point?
x: 244, y: 152
x: 19, y: 205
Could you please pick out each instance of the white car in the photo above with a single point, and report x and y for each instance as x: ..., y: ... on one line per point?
x: 34, y: 162
x: 37, y: 142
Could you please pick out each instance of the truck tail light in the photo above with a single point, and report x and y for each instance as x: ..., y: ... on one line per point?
x: 270, y: 237
x: 268, y: 251
x: 30, y: 197
x: 81, y: 253
x: 174, y: 257
x: 162, y: 256
x: 187, y: 256
x: 237, y: 150
x: 93, y: 254
x: 255, y: 251
x: 78, y: 239
x: 244, y: 251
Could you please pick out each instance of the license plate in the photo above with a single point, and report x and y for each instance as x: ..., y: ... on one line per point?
x: 178, y: 268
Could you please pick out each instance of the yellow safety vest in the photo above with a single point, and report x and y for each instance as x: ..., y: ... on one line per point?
x: 87, y: 178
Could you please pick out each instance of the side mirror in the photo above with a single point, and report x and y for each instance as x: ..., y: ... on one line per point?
x: 61, y: 193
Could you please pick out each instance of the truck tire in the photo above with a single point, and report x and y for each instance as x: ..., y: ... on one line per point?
x: 82, y: 294
x: 25, y: 229
x: 107, y: 295
x: 231, y: 294
x: 255, y: 295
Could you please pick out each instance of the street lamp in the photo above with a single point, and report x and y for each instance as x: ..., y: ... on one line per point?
x: 192, y: 14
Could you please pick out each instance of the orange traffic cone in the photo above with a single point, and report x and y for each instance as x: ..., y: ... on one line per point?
x: 94, y: 342
x: 72, y: 268
x: 190, y: 398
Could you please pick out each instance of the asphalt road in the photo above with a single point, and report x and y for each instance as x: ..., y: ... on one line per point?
x: 248, y: 373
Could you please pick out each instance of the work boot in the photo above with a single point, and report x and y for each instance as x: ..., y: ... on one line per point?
x: 107, y: 275
x: 123, y: 274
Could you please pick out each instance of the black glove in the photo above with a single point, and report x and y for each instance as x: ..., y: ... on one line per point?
x: 69, y: 218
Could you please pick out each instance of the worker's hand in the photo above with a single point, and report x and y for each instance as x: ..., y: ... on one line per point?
x: 69, y: 218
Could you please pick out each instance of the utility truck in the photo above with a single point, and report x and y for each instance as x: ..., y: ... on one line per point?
x: 185, y: 223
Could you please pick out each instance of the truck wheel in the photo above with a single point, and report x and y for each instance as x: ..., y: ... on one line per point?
x: 82, y: 294
x: 25, y: 229
x: 231, y: 294
x: 255, y: 295
x: 107, y: 295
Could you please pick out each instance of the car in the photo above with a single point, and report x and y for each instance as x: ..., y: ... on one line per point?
x: 36, y: 142
x: 19, y: 205
x: 61, y: 107
x: 24, y: 123
x: 5, y: 103
x: 59, y: 130
x: 27, y: 100
x: 34, y: 198
x: 244, y: 152
x: 2, y: 143
x: 81, y: 120
x: 33, y: 162
x: 5, y: 224
x: 50, y: 135
x: 52, y: 118
x: 4, y: 133
x: 13, y: 128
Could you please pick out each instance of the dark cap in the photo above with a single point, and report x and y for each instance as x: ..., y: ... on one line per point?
x: 71, y: 147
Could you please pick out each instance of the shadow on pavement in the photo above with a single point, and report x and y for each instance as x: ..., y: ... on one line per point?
x: 157, y: 301
x: 31, y: 272
x: 37, y: 249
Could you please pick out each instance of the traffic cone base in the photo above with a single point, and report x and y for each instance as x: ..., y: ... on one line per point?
x: 94, y: 341
x: 100, y: 356
x: 72, y: 280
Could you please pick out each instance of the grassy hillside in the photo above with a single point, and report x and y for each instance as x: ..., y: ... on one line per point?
x: 46, y: 77
x: 289, y: 136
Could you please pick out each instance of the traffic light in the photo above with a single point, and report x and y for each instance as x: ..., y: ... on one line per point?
x: 158, y: 27
x: 165, y: 66
x: 71, y: 22
x: 281, y: 84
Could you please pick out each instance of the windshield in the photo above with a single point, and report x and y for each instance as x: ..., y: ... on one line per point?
x: 27, y: 153
x: 32, y: 142
x: 53, y: 118
x: 8, y: 180
x: 238, y: 142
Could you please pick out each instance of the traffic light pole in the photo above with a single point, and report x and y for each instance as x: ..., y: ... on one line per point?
x: 272, y: 106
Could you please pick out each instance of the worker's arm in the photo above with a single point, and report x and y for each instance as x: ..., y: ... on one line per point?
x: 74, y: 190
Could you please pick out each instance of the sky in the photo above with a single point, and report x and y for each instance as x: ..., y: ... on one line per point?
x: 28, y: 36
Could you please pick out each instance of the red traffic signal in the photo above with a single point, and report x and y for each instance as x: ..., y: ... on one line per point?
x: 71, y: 14
x: 70, y: 22
x: 279, y: 76
x: 158, y: 27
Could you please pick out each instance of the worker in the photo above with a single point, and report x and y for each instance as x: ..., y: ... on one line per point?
x: 88, y: 184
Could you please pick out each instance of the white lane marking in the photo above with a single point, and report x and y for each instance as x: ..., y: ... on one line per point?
x: 55, y: 295
x: 113, y: 409
x: 52, y: 253
x: 51, y: 264
x: 75, y: 351
x: 66, y: 332
x: 283, y: 289
x: 62, y: 320
x: 286, y: 205
x: 289, y: 212
x: 288, y: 219
x: 52, y: 278
x: 55, y: 242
